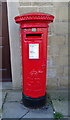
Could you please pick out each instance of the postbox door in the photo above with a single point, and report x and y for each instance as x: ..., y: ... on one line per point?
x: 34, y: 55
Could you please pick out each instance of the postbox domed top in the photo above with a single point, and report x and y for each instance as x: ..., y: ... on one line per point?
x: 34, y: 16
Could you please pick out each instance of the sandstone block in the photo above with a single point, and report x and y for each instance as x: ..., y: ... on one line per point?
x: 61, y: 12
x: 60, y: 28
x: 57, y: 40
x: 46, y: 9
x: 41, y: 3
x: 60, y: 71
x: 51, y: 82
x: 61, y: 60
x: 53, y: 50
x: 66, y: 71
x: 36, y: 0
x: 21, y: 3
x: 60, y: 3
x: 51, y: 72
x: 63, y: 82
x: 26, y: 9
x: 63, y: 50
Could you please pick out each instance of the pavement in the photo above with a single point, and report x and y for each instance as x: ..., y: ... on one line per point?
x: 60, y: 101
x: 11, y: 104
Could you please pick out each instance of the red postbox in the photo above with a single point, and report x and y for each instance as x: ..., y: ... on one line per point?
x: 34, y: 39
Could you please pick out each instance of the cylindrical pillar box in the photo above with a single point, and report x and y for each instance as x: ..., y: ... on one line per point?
x: 34, y: 40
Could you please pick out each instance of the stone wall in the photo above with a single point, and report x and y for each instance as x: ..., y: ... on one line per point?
x: 57, y: 73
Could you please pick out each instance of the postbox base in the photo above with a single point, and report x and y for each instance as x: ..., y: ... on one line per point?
x: 32, y: 102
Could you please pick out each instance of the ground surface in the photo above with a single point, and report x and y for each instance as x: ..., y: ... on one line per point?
x: 12, y: 107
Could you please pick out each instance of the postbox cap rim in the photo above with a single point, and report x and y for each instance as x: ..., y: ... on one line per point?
x: 34, y: 16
